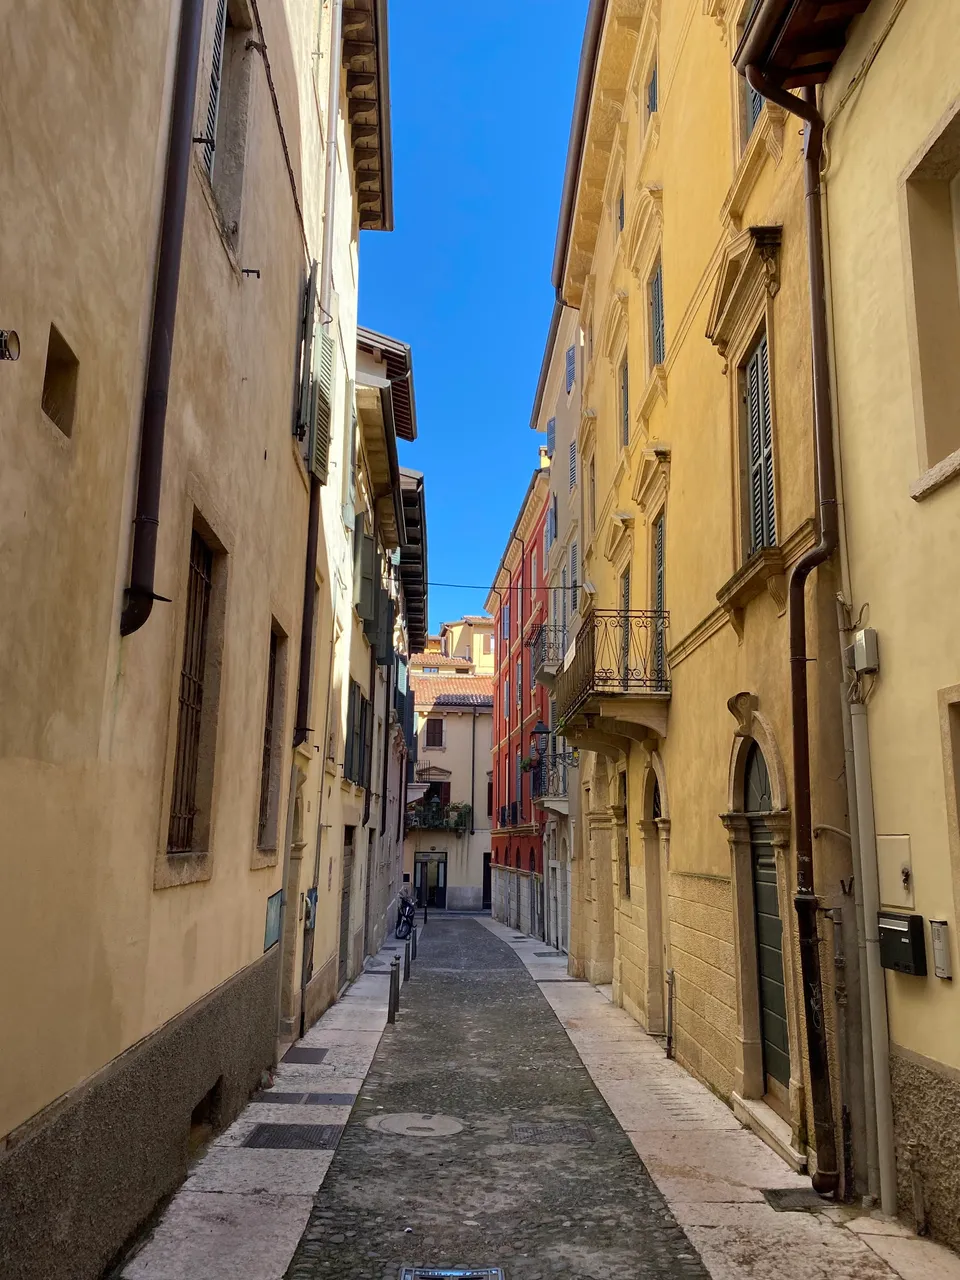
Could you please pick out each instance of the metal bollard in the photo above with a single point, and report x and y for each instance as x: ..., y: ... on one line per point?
x: 424, y: 911
x: 391, y: 994
x: 396, y: 966
x: 413, y: 939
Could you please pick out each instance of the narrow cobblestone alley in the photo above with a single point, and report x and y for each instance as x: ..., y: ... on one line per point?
x: 540, y: 1180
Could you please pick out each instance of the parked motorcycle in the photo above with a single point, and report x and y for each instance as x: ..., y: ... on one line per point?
x: 405, y: 917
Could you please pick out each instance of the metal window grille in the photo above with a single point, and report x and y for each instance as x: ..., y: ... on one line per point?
x: 762, y: 514
x: 266, y: 764
x: 571, y: 368
x: 658, y: 346
x: 183, y: 807
x: 216, y: 85
x: 435, y: 733
x: 625, y: 404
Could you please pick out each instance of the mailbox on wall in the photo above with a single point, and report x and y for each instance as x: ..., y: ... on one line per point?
x: 902, y: 945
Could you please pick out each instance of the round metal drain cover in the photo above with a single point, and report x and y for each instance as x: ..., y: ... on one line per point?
x: 416, y: 1124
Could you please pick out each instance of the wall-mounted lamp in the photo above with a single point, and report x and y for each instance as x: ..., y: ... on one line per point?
x: 9, y: 344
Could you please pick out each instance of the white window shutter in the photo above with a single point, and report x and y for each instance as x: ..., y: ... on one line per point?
x: 324, y: 363
x: 216, y: 84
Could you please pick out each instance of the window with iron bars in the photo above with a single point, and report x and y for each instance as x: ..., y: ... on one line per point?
x: 266, y: 830
x: 181, y: 837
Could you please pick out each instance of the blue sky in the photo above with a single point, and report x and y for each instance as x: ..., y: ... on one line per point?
x: 481, y: 100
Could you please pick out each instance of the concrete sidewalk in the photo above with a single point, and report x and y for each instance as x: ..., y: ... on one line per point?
x: 710, y: 1170
x: 242, y: 1210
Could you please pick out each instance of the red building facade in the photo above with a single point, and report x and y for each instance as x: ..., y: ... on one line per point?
x: 518, y: 603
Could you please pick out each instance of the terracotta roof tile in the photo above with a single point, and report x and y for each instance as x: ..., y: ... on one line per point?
x: 452, y: 691
x: 438, y: 660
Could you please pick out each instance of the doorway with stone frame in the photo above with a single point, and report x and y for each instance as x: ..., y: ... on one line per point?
x: 655, y: 834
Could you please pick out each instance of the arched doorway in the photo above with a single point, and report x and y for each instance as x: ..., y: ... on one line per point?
x: 768, y: 926
x: 655, y: 829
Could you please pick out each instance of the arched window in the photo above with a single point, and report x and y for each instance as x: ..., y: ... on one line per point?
x: 656, y: 807
x: 757, y: 796
x: 533, y: 861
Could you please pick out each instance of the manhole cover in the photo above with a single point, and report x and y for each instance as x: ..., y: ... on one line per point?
x: 416, y: 1124
x: 295, y: 1137
x: 429, y: 1273
x: 301, y: 1054
x: 307, y: 1099
x: 547, y: 1133
x: 793, y: 1199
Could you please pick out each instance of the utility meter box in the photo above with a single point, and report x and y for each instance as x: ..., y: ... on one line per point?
x: 940, y: 937
x: 866, y: 653
x: 902, y: 944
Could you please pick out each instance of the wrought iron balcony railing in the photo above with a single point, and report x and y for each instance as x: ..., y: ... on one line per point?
x: 617, y: 653
x: 549, y: 776
x: 546, y: 648
x: 434, y: 816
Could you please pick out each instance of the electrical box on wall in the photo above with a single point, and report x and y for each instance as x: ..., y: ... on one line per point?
x: 866, y: 653
x: 902, y: 944
x: 940, y: 937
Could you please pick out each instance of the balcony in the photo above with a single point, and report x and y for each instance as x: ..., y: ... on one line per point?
x: 546, y: 647
x: 550, y: 780
x: 431, y: 815
x: 618, y: 673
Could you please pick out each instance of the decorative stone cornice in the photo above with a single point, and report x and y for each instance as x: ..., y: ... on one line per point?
x: 619, y: 538
x: 644, y: 230
x: 653, y: 478
x: 656, y: 389
x: 749, y: 268
x: 613, y: 329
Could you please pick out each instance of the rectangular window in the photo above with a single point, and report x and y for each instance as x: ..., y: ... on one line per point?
x: 571, y: 368
x: 551, y: 436
x: 272, y: 737
x: 652, y: 92
x: 574, y: 571
x: 592, y: 495
x: 505, y: 620
x: 228, y: 96
x: 434, y: 732
x: 621, y: 211
x: 625, y: 404
x: 490, y: 797
x: 573, y: 464
x: 933, y: 243
x: 761, y: 514
x: 519, y: 682
x: 658, y: 346
x: 506, y: 697
x: 358, y: 746
x: 487, y: 642
x: 196, y: 713
x: 519, y: 779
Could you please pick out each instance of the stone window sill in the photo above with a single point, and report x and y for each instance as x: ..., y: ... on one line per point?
x: 936, y: 477
x: 765, y: 570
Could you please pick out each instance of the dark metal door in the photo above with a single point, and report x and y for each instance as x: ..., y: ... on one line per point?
x: 773, y: 1001
x: 344, y: 969
x: 486, y: 882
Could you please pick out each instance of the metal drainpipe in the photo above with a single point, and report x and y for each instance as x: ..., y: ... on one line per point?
x: 473, y: 771
x: 826, y: 1179
x: 140, y: 594
x: 313, y: 523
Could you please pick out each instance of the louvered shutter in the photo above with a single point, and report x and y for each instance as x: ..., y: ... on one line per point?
x: 551, y: 436
x: 754, y: 107
x: 216, y: 84
x: 348, y: 745
x: 625, y: 404
x: 658, y: 343
x: 367, y: 603
x: 563, y: 605
x: 324, y: 363
x: 762, y: 519
x: 307, y: 322
x: 574, y: 571
x: 571, y: 367
x: 573, y: 463
x: 367, y: 734
x: 385, y: 622
x: 652, y: 92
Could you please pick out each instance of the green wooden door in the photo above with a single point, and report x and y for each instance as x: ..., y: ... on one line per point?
x: 773, y: 1002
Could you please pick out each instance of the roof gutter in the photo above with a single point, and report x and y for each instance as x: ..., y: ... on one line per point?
x: 826, y: 1179
x: 578, y: 129
x: 545, y: 365
x: 383, y: 114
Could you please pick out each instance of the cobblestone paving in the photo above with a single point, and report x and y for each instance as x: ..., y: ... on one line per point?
x: 476, y: 1040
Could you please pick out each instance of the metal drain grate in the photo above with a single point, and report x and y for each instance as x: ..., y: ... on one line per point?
x: 300, y: 1053
x: 307, y: 1099
x: 295, y: 1137
x: 430, y: 1273
x: 547, y: 1133
x: 553, y: 954
x: 794, y: 1199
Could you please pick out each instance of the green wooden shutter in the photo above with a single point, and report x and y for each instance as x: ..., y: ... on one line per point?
x: 324, y: 364
x: 367, y: 602
x: 385, y: 622
x: 762, y: 511
x: 551, y: 436
x: 571, y: 368
x: 308, y: 319
x: 574, y: 571
x: 657, y: 337
x: 348, y: 744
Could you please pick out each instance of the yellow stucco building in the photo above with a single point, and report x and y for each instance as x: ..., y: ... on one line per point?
x: 682, y: 246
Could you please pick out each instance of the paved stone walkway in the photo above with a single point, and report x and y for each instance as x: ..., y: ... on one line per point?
x: 541, y: 1179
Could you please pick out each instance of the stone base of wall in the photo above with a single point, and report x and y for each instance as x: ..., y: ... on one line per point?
x: 79, y: 1179
x: 464, y: 897
x: 926, y: 1110
x: 320, y: 993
